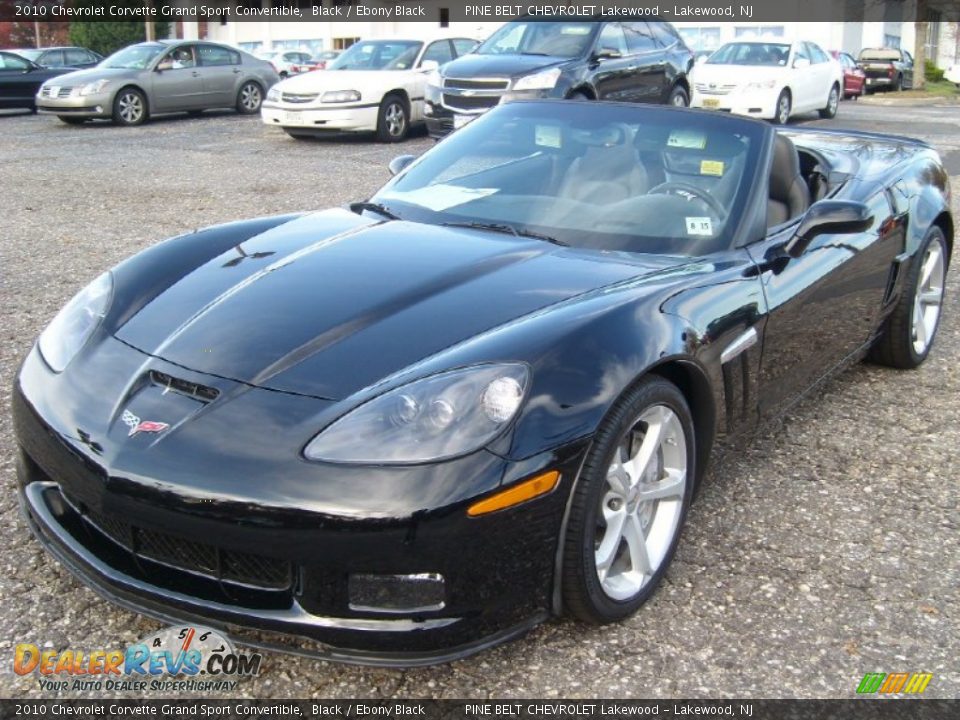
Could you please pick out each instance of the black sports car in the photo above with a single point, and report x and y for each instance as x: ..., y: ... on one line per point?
x: 414, y: 428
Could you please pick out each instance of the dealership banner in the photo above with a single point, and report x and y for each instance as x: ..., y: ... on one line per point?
x: 445, y: 11
x: 480, y: 709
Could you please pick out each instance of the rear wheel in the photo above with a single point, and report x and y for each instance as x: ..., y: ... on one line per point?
x: 833, y: 102
x: 579, y: 97
x: 678, y: 97
x: 782, y: 112
x: 249, y: 98
x: 629, y: 504
x: 129, y: 107
x: 898, y: 85
x: 393, y: 120
x: 911, y: 328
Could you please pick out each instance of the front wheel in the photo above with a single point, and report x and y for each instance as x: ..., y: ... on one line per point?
x: 909, y: 332
x: 71, y: 120
x: 782, y: 113
x: 393, y: 120
x: 630, y: 503
x: 129, y: 107
x: 833, y: 102
x: 249, y: 98
x: 679, y: 97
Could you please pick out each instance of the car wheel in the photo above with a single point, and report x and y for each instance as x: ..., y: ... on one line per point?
x: 579, y: 97
x: 630, y: 503
x: 911, y: 328
x: 678, y: 97
x: 129, y: 107
x: 784, y: 107
x: 249, y: 99
x: 833, y: 103
x: 393, y: 120
x: 71, y: 120
x: 898, y: 86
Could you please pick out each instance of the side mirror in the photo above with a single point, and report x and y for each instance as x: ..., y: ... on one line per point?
x: 429, y: 66
x: 801, y: 63
x: 607, y: 54
x: 829, y: 216
x: 399, y: 163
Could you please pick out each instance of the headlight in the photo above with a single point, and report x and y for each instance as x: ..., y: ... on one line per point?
x: 762, y: 85
x: 434, y: 79
x: 340, y: 96
x: 274, y: 93
x: 545, y: 80
x: 75, y: 323
x: 94, y: 87
x: 435, y: 418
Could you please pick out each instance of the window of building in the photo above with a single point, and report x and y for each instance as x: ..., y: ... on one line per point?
x: 758, y: 32
x: 891, y: 41
x: 697, y: 39
x: 342, y: 43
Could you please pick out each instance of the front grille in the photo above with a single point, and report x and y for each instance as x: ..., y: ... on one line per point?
x: 715, y: 89
x: 457, y: 84
x: 229, y: 566
x: 203, y: 393
x: 63, y: 92
x: 298, y: 98
x: 462, y: 102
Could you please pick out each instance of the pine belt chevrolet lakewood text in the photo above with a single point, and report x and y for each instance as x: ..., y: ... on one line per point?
x: 413, y: 428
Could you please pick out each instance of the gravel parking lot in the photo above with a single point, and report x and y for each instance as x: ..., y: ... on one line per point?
x: 826, y: 548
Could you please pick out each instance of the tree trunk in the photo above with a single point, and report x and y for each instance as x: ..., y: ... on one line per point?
x: 920, y: 47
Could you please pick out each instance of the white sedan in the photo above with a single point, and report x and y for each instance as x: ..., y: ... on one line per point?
x: 769, y: 80
x: 375, y: 85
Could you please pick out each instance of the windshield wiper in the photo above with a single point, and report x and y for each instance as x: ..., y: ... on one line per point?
x: 359, y: 207
x: 540, y: 54
x: 505, y: 228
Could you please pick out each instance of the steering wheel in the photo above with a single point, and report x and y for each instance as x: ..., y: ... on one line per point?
x: 681, y: 188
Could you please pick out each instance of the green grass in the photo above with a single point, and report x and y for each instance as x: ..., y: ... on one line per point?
x: 932, y: 89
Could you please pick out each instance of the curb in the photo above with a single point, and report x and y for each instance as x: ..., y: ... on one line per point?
x: 895, y: 102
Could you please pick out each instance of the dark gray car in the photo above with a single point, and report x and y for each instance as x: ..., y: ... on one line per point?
x: 152, y: 78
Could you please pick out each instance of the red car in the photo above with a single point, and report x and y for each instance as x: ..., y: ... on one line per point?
x: 854, y: 79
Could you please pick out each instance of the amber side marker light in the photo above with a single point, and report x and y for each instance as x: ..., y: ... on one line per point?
x: 527, y: 490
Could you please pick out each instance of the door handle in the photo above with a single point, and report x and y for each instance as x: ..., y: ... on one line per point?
x: 237, y: 71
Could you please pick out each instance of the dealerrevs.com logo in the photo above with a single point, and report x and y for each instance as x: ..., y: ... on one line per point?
x: 178, y: 658
x: 894, y: 683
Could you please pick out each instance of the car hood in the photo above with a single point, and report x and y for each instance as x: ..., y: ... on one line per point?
x: 80, y: 77
x: 341, y: 80
x: 330, y: 303
x: 739, y: 74
x: 470, y: 66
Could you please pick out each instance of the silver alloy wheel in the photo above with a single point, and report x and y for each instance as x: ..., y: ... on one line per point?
x: 639, y: 514
x: 678, y: 101
x: 250, y: 97
x: 131, y: 107
x: 395, y: 119
x: 783, y: 109
x: 833, y: 101
x: 929, y: 298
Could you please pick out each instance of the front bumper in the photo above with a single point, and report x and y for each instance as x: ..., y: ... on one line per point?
x: 277, y: 572
x: 99, y: 105
x: 355, y: 118
x: 749, y: 104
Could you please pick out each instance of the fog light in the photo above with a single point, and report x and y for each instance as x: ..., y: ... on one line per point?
x: 99, y: 108
x: 420, y: 592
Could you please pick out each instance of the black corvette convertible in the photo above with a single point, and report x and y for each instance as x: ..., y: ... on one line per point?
x: 415, y: 427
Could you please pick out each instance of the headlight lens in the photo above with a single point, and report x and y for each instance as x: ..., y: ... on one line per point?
x: 545, y: 80
x: 438, y: 417
x: 434, y: 79
x: 273, y: 94
x: 75, y: 323
x: 94, y: 87
x: 340, y: 96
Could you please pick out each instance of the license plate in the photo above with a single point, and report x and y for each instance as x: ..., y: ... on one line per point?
x: 293, y: 118
x: 460, y: 120
x: 711, y: 103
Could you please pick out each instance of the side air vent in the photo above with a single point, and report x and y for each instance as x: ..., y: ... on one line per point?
x: 203, y: 393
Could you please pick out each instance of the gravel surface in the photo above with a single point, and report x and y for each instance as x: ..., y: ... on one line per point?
x: 824, y: 549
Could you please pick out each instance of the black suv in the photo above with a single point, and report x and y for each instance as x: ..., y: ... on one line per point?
x: 582, y: 60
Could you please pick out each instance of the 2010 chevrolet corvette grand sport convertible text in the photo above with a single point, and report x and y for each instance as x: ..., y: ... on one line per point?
x: 413, y: 428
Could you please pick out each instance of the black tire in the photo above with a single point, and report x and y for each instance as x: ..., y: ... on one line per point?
x: 898, y: 86
x: 833, y: 103
x: 895, y: 345
x: 393, y: 120
x: 194, y: 113
x: 249, y: 98
x: 584, y: 595
x: 783, y: 109
x: 678, y: 97
x: 130, y: 107
x: 579, y: 97
x: 71, y: 120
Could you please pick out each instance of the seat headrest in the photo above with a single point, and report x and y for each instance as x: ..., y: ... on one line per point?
x: 786, y: 167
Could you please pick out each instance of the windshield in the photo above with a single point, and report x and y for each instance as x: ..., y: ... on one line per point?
x: 378, y: 55
x: 880, y: 55
x: 135, y: 57
x: 608, y: 178
x: 556, y: 39
x: 764, y: 54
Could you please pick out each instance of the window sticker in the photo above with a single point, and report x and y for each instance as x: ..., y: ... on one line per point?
x: 699, y: 226
x: 690, y: 139
x: 547, y: 136
x: 575, y: 29
x: 711, y: 167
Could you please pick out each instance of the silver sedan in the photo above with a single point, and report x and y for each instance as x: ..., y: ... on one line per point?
x: 152, y: 78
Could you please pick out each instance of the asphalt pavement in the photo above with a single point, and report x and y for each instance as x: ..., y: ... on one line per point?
x: 824, y: 549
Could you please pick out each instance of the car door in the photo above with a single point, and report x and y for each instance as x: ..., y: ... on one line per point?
x: 79, y: 58
x: 52, y: 59
x: 824, y: 72
x: 221, y: 71
x: 907, y: 69
x: 177, y: 81
x: 440, y: 52
x: 803, y: 81
x: 611, y: 67
x: 19, y: 80
x: 823, y: 305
